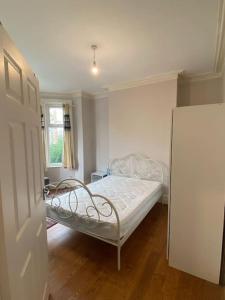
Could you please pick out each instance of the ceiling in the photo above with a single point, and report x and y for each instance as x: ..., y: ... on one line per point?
x: 136, y: 39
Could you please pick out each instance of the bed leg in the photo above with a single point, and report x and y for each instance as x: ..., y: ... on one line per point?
x: 118, y: 258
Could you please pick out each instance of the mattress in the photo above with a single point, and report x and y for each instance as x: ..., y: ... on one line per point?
x: 133, y: 198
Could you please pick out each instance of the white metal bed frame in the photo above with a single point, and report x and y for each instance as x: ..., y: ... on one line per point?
x: 133, y: 165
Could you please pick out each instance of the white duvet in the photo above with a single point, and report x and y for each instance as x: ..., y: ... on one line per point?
x: 132, y: 198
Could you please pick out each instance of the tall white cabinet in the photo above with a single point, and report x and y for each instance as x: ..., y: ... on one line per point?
x: 196, y: 211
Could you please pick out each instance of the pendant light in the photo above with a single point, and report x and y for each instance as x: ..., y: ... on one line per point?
x: 94, y: 68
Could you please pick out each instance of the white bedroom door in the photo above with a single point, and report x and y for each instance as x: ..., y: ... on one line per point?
x: 23, y: 243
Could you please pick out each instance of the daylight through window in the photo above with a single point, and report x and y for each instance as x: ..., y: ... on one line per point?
x: 55, y: 132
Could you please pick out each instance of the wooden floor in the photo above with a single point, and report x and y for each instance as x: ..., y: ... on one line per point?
x: 82, y: 268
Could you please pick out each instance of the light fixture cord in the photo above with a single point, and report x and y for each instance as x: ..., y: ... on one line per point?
x: 94, y: 62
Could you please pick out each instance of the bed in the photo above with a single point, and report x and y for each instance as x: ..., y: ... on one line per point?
x: 110, y: 209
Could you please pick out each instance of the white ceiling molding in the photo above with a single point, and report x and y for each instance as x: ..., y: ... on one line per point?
x: 76, y: 94
x: 55, y: 101
x: 81, y: 94
x: 50, y: 95
x: 101, y: 95
x: 148, y: 80
x: 87, y: 95
x: 220, y: 39
x: 110, y: 88
x: 66, y: 96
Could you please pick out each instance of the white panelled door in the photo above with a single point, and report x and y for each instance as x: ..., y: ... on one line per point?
x: 23, y: 243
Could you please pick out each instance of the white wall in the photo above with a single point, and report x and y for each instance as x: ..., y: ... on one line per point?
x: 140, y: 120
x: 199, y: 92
x: 223, y: 85
x: 101, y: 130
x: 89, y: 147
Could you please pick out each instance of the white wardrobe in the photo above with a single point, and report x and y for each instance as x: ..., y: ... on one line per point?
x: 197, y: 193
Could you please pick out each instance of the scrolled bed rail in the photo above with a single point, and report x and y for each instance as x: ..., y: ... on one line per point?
x: 97, y: 206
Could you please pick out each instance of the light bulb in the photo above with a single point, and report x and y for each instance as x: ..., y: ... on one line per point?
x: 94, y: 69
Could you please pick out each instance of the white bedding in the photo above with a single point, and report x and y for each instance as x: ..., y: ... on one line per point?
x: 132, y: 198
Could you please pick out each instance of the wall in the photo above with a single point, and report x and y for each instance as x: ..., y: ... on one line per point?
x: 89, y: 147
x: 140, y: 120
x: 101, y: 130
x: 199, y: 92
x: 223, y: 85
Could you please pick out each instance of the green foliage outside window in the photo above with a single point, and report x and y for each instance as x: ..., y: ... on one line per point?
x: 56, y: 151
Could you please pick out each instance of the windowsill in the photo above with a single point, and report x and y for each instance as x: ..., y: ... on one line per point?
x: 54, y: 166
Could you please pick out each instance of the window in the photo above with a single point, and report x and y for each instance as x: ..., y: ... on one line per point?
x: 55, y: 135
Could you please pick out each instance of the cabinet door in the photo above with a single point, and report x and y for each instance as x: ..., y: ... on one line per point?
x: 197, y: 190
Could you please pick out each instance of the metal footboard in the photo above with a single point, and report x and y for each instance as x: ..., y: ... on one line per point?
x: 98, y: 207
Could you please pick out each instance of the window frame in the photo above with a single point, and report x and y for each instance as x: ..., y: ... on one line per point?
x: 47, y: 126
